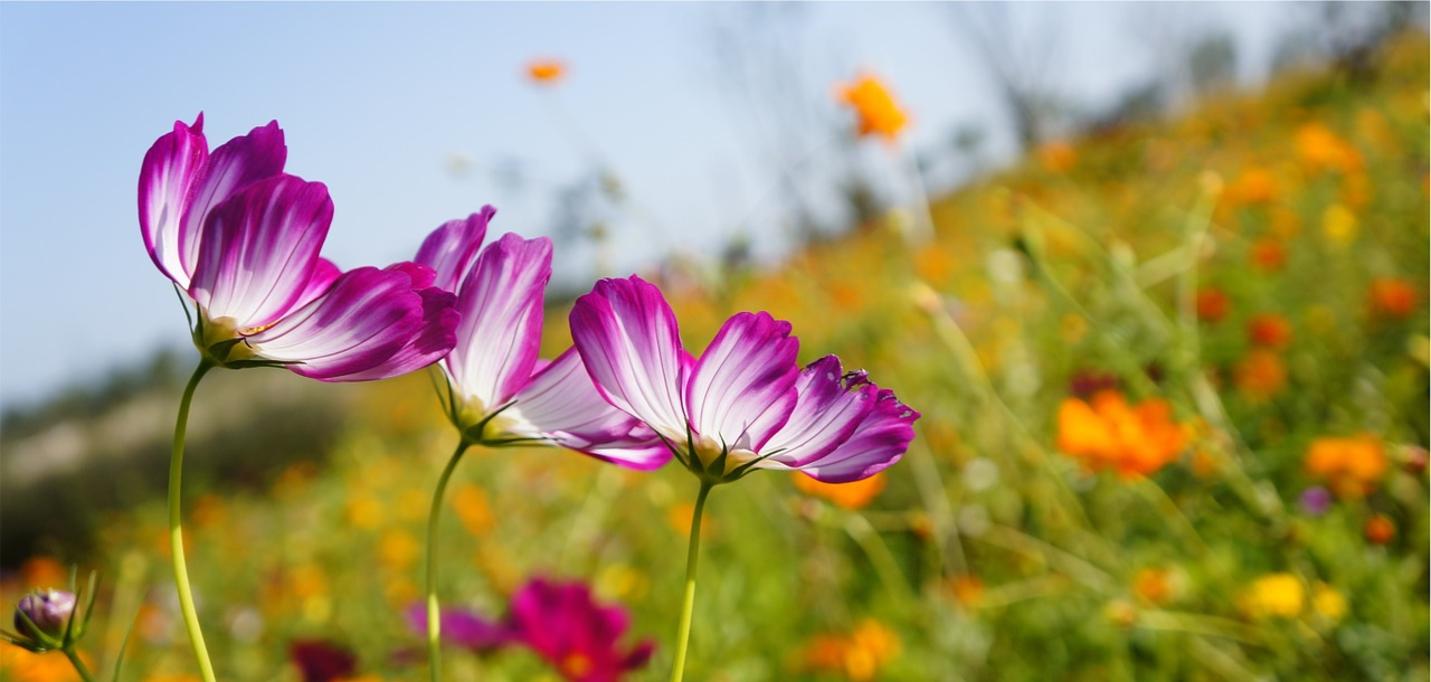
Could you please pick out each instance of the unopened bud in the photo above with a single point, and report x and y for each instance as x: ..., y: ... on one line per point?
x: 48, y: 610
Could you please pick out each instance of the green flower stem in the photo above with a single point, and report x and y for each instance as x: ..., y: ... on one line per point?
x: 434, y: 612
x: 683, y: 634
x: 176, y: 530
x: 78, y: 664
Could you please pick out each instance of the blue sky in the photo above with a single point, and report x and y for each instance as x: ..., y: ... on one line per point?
x: 378, y: 99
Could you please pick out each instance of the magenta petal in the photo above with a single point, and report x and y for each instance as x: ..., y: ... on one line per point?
x: 450, y: 249
x: 355, y: 329
x: 628, y: 340
x: 433, y: 341
x: 236, y: 164
x: 562, y: 622
x: 561, y: 404
x: 437, y: 336
x: 461, y: 627
x: 500, y: 332
x: 879, y: 441
x: 828, y: 411
x: 260, y: 250
x: 639, y: 656
x: 742, y: 389
x: 171, y: 167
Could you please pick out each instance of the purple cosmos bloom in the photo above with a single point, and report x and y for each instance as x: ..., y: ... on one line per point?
x: 565, y: 625
x: 242, y: 239
x: 1316, y: 500
x: 500, y: 391
x: 462, y: 628
x: 744, y: 403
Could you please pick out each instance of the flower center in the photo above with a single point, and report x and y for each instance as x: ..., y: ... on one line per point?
x: 576, y: 665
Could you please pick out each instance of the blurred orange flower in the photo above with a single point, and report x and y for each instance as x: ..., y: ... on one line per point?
x: 1106, y: 433
x: 546, y: 71
x: 1254, y: 185
x: 1321, y: 149
x: 852, y: 495
x: 1269, y: 330
x: 878, y: 112
x: 1269, y: 255
x: 1392, y: 297
x: 1211, y: 305
x: 858, y: 656
x: 1380, y: 529
x: 1351, y: 466
x: 472, y: 508
x: 22, y: 666
x: 1261, y: 374
x: 968, y: 590
x: 1153, y: 585
x: 44, y: 571
x: 1058, y: 156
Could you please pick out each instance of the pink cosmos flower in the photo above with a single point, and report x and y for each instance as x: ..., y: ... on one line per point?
x: 462, y: 628
x: 241, y: 238
x: 499, y: 391
x: 579, y: 637
x: 744, y: 404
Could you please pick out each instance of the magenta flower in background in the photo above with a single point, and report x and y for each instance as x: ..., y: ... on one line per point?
x: 744, y: 404
x: 242, y: 239
x: 500, y: 391
x: 462, y: 628
x: 579, y: 637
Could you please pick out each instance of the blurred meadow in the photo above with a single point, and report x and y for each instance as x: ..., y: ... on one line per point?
x: 1172, y: 361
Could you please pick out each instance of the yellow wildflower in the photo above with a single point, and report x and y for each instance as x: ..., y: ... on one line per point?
x: 1328, y: 602
x: 1339, y: 224
x: 1278, y: 595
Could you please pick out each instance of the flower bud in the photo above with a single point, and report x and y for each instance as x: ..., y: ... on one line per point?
x: 48, y: 610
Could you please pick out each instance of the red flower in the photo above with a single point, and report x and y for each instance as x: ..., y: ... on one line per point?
x: 322, y: 661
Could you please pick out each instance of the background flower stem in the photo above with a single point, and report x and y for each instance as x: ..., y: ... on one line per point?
x: 683, y: 633
x: 434, y: 611
x: 176, y: 530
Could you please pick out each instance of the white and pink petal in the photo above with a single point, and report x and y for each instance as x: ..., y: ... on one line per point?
x: 628, y: 340
x: 259, y: 253
x: 171, y: 168
x: 742, y: 389
x: 831, y: 405
x: 434, y: 339
x: 352, y: 331
x: 500, y: 332
x: 561, y: 404
x: 452, y: 248
x: 231, y: 167
x: 880, y: 440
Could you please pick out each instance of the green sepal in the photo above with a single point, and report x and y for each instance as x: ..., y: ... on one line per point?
x: 39, y: 638
x: 90, y: 593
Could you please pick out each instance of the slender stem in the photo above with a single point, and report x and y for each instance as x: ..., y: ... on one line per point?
x: 176, y: 530
x: 688, y: 603
x: 434, y: 610
x: 78, y: 664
